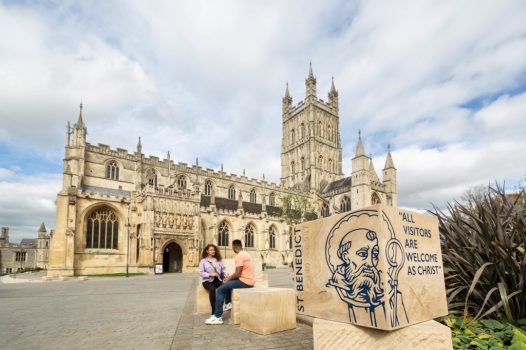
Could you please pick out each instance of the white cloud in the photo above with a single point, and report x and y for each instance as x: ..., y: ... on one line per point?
x: 26, y: 201
x: 205, y: 80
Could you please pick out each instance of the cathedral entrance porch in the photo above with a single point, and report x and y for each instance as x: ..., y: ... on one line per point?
x: 172, y: 258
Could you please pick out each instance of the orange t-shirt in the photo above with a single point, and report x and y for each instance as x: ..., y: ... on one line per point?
x: 247, y: 274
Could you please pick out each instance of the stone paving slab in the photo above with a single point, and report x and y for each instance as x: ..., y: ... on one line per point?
x: 140, y: 312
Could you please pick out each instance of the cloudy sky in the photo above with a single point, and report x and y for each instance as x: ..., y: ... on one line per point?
x: 443, y: 82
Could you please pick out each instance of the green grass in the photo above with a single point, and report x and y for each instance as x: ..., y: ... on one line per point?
x: 119, y: 274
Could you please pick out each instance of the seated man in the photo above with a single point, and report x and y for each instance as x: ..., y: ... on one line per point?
x: 243, y: 277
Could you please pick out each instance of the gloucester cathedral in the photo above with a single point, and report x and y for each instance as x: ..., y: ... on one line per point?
x: 119, y: 210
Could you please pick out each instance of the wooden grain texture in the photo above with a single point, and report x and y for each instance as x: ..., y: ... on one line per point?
x: 267, y: 310
x: 360, y: 267
x: 429, y: 335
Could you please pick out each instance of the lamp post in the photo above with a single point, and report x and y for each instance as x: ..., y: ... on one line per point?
x: 127, y: 240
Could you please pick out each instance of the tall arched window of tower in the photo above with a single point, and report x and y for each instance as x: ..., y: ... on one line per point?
x: 293, y: 170
x: 319, y: 128
x: 324, y: 210
x: 249, y: 236
x: 223, y: 231
x: 272, y: 237
x: 302, y: 163
x: 329, y: 133
x: 112, y: 170
x: 232, y: 192
x: 151, y: 177
x: 302, y: 131
x: 345, y: 204
x: 292, y: 137
x: 330, y: 166
x: 181, y: 182
x: 102, y: 229
x: 208, y: 188
x: 272, y: 199
x: 320, y: 161
x: 375, y: 199
x: 253, y: 196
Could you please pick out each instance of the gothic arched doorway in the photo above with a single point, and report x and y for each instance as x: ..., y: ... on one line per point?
x: 172, y: 258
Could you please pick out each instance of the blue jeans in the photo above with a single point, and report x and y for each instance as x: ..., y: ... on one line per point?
x: 224, y: 294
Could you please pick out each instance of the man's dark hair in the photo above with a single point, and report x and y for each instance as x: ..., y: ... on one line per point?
x: 237, y: 243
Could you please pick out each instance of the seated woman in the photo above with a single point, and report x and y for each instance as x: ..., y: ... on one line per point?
x: 212, y: 271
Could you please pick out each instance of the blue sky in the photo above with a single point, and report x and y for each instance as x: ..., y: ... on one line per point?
x: 443, y: 82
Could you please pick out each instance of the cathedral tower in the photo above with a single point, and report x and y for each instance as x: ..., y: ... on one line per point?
x: 311, y: 154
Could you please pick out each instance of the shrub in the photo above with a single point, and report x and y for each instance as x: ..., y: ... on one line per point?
x: 483, y: 247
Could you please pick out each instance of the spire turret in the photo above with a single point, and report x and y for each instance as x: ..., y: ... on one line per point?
x: 333, y: 96
x: 80, y: 122
x: 359, y: 146
x: 139, y: 147
x: 42, y: 228
x: 389, y: 160
x: 79, y: 131
x: 287, y: 102
x: 310, y: 83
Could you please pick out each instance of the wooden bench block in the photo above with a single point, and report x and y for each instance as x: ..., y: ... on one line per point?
x: 378, y: 267
x: 267, y: 310
x: 202, y: 300
x: 429, y: 335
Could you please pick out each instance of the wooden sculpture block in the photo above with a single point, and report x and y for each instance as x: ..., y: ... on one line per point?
x: 378, y: 267
x: 429, y: 335
x: 267, y: 310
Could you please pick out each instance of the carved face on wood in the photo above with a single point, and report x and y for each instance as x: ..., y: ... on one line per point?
x: 358, y: 251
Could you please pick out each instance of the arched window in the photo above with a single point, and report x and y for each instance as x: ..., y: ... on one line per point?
x: 345, y: 204
x: 249, y: 236
x: 151, y: 177
x: 302, y: 130
x: 208, y: 188
x: 222, y: 239
x: 272, y: 199
x: 292, y: 137
x: 112, y: 170
x: 324, y: 210
x: 232, y: 192
x: 319, y: 128
x: 375, y: 199
x: 330, y: 165
x: 272, y: 237
x: 253, y: 196
x: 302, y: 163
x: 102, y: 229
x: 293, y: 170
x: 181, y: 182
x: 320, y: 161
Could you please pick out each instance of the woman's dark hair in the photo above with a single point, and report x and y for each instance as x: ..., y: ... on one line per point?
x: 205, y: 253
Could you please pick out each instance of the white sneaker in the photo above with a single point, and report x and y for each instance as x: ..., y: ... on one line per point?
x: 227, y: 307
x: 214, y: 320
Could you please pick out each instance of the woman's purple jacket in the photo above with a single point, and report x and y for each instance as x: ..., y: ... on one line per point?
x: 206, y: 268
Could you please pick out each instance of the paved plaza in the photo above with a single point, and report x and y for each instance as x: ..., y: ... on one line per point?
x: 142, y: 312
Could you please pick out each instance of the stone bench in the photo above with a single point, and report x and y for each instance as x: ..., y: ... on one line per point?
x: 267, y: 310
x: 202, y: 301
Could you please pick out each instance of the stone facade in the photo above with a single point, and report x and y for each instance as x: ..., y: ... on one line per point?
x: 119, y: 210
x: 29, y: 254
